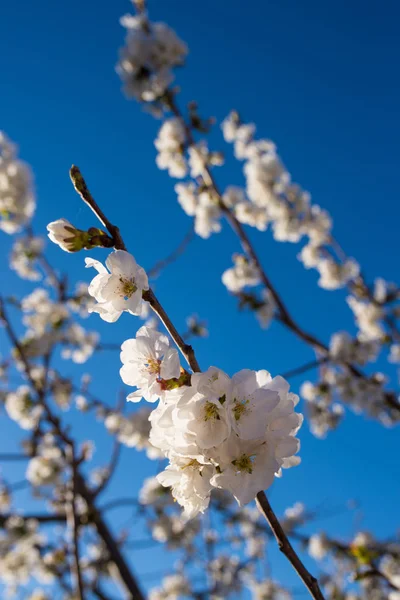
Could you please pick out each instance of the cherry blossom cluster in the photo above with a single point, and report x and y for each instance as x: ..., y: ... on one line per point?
x: 270, y: 199
x: 151, y: 52
x: 231, y: 433
x: 357, y: 559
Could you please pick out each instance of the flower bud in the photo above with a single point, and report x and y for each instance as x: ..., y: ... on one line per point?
x: 71, y: 239
x: 65, y: 235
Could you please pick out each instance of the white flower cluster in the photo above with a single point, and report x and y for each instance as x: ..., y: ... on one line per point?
x: 368, y: 316
x: 17, y: 199
x: 172, y: 530
x: 271, y: 197
x: 133, y: 431
x: 234, y: 434
x: 217, y: 432
x: 269, y: 590
x: 343, y: 348
x: 48, y: 323
x: 46, y: 467
x: 147, y: 60
x: 21, y: 408
x: 21, y: 554
x: 80, y: 344
x: 245, y: 274
x: 172, y: 587
x: 201, y: 204
x: 361, y: 394
x: 41, y: 312
x: 24, y: 253
x: 153, y: 493
x: 170, y: 144
x: 242, y: 274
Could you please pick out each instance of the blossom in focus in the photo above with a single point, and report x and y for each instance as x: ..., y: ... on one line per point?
x: 65, y: 235
x: 118, y: 289
x: 148, y: 361
x: 231, y: 433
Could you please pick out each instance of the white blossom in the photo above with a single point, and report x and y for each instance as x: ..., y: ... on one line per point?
x: 80, y: 344
x: 151, y: 52
x: 170, y: 144
x: 189, y: 481
x: 65, y: 235
x: 46, y: 467
x: 368, y: 316
x: 334, y: 275
x: 21, y: 408
x: 242, y: 274
x: 24, y: 253
x: 318, y: 546
x: 120, y: 289
x: 17, y: 199
x: 148, y: 361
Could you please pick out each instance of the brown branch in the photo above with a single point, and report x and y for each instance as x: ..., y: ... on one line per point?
x: 57, y: 518
x: 116, y: 452
x: 189, y: 354
x: 284, y: 315
x: 286, y: 547
x: 80, y: 186
x: 149, y: 296
x: 313, y: 364
x: 73, y: 522
x: 171, y: 258
x: 81, y: 487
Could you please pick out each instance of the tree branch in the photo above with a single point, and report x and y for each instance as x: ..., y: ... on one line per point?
x: 286, y: 547
x: 284, y: 315
x: 81, y: 487
x: 313, y: 364
x: 82, y: 189
x: 73, y: 522
x: 162, y: 264
x: 189, y: 354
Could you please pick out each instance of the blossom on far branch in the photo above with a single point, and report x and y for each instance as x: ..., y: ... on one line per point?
x: 170, y: 144
x: 25, y: 252
x: 151, y: 52
x: 17, y: 198
x: 242, y: 274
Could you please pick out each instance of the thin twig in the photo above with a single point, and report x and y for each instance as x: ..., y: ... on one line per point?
x: 73, y: 523
x: 284, y: 315
x: 116, y: 452
x: 82, y: 189
x: 313, y: 364
x: 286, y: 547
x: 81, y: 487
x: 171, y: 258
x: 189, y: 354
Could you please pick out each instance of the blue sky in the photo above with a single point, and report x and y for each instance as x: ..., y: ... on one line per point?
x: 321, y: 80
